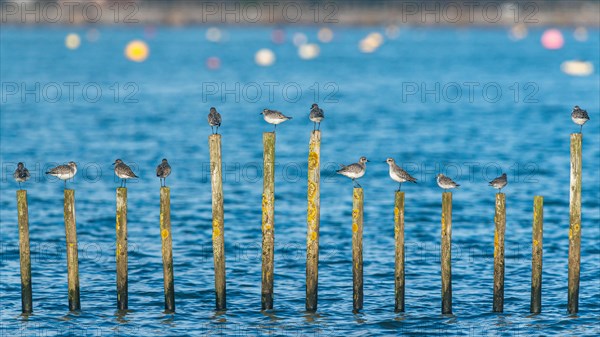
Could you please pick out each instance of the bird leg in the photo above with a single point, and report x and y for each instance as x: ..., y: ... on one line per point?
x: 399, y: 187
x: 580, y: 128
x: 19, y: 185
x: 319, y: 127
x: 314, y: 126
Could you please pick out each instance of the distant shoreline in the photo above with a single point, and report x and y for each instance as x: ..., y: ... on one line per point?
x: 325, y: 13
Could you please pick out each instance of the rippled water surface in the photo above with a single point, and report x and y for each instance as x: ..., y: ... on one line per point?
x: 158, y: 109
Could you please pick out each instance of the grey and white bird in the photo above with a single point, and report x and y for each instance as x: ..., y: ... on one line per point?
x: 398, y: 174
x: 579, y: 117
x: 64, y: 172
x: 162, y: 171
x: 123, y: 171
x: 354, y: 171
x: 445, y: 182
x: 274, y: 117
x: 316, y: 116
x: 499, y: 182
x: 21, y: 174
x: 214, y: 119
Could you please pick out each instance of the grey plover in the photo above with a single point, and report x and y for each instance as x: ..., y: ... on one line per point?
x: 123, y: 171
x: 579, y: 117
x: 274, y: 117
x: 316, y: 116
x: 162, y: 171
x: 354, y: 171
x: 21, y: 174
x: 445, y: 182
x: 64, y: 172
x: 214, y: 119
x: 499, y: 182
x: 398, y: 174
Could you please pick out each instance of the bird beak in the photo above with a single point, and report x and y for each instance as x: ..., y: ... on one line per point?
x: 385, y: 161
x: 260, y: 113
x: 113, y: 164
x: 368, y: 161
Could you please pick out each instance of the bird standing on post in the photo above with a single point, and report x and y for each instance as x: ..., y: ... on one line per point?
x: 162, y: 171
x: 274, y: 117
x: 354, y: 171
x: 445, y: 182
x: 398, y: 174
x: 64, y: 172
x: 21, y: 174
x: 499, y: 182
x: 214, y: 119
x: 316, y: 116
x: 123, y: 171
x: 579, y: 117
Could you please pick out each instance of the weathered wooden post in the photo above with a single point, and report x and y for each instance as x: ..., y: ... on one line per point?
x: 574, y: 224
x: 167, y: 248
x: 121, y: 249
x: 24, y: 252
x: 500, y: 222
x: 446, y: 258
x: 357, y: 248
x: 536, y: 255
x: 72, y: 256
x: 399, y: 259
x: 268, y: 221
x: 218, y: 238
x: 313, y: 220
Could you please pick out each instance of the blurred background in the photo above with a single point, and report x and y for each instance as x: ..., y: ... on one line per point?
x: 469, y: 89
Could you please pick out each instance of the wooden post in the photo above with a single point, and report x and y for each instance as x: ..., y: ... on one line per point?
x: 121, y: 249
x: 268, y: 223
x: 500, y: 222
x: 357, y: 248
x: 313, y: 220
x: 446, y: 258
x: 574, y: 224
x: 24, y: 252
x: 536, y: 255
x: 399, y: 260
x: 218, y: 238
x: 72, y: 256
x: 167, y: 248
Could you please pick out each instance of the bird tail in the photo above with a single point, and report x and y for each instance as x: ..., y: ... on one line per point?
x: 457, y: 185
x: 413, y: 180
x: 290, y: 117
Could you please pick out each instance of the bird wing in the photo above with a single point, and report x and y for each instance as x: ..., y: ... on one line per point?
x: 350, y: 168
x: 127, y: 170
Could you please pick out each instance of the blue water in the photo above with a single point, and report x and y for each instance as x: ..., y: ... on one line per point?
x: 375, y: 107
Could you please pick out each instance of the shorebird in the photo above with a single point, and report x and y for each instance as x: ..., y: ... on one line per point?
x: 163, y: 170
x: 398, y: 174
x: 316, y: 116
x: 445, y: 182
x: 274, y: 117
x: 579, y: 117
x: 123, y: 171
x: 214, y: 119
x: 354, y: 171
x: 64, y: 172
x: 21, y: 174
x: 499, y: 182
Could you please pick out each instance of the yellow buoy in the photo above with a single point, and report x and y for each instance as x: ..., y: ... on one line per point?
x: 72, y: 41
x: 137, y: 51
